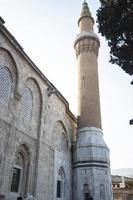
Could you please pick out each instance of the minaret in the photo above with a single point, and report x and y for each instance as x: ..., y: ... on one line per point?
x: 86, y: 46
x: 91, y: 164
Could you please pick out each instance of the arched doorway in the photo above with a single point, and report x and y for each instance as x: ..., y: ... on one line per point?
x: 20, y: 171
x: 86, y: 191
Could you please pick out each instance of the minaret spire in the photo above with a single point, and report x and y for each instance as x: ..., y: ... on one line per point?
x: 86, y: 18
x: 91, y: 155
x: 87, y: 46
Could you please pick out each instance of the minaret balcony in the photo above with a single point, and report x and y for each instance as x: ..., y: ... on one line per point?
x: 86, y: 42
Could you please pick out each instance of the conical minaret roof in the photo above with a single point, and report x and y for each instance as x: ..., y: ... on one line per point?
x: 85, y: 11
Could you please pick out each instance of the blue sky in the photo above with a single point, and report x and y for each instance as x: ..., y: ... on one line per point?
x: 46, y: 30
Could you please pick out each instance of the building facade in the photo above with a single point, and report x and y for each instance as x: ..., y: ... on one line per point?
x: 122, y: 187
x: 45, y: 150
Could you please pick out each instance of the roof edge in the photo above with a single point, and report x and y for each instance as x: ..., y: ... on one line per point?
x: 19, y: 48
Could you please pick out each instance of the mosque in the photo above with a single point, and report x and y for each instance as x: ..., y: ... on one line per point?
x: 45, y: 150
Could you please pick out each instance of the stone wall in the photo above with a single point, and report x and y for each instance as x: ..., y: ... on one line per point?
x: 39, y: 123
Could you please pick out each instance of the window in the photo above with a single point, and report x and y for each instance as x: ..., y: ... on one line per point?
x: 20, y: 171
x: 15, y: 179
x: 87, y: 195
x: 17, y: 172
x: 5, y: 85
x: 58, y: 189
x: 26, y: 104
x: 60, y: 192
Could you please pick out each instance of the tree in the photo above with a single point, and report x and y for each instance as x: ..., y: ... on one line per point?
x: 115, y: 22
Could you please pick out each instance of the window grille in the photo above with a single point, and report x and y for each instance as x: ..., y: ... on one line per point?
x: 60, y: 184
x: 15, y: 179
x: 26, y: 104
x: 20, y: 170
x: 5, y: 85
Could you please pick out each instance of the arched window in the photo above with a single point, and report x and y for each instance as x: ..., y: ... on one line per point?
x: 102, y: 192
x: 5, y: 85
x: 26, y: 104
x: 60, y: 137
x: 20, y: 171
x: 60, y: 184
x: 17, y: 173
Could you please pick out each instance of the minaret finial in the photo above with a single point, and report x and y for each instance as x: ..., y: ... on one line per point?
x: 85, y: 8
x: 85, y: 12
x: 84, y: 1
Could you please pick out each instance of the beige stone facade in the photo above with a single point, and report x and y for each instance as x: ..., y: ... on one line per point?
x: 36, y: 127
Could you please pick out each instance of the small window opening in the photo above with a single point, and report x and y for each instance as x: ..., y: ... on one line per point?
x: 15, y: 179
x: 58, y: 189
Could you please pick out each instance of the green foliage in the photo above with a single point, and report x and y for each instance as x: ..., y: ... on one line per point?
x: 115, y: 22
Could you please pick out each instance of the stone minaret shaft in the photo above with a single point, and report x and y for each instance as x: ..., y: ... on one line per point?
x: 86, y: 46
x: 91, y: 163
